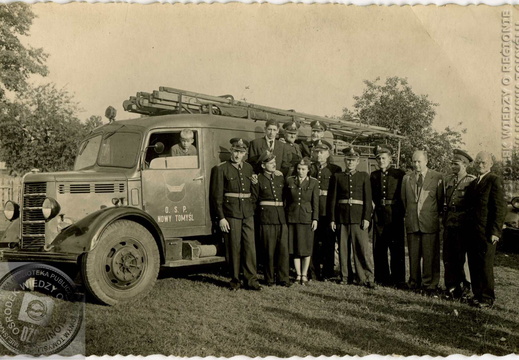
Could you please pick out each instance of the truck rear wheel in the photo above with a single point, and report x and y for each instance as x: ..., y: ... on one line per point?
x: 123, y: 265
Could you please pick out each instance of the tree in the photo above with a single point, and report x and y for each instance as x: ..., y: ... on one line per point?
x: 17, y: 62
x: 40, y: 130
x: 395, y: 106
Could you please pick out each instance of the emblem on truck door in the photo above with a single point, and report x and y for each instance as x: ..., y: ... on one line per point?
x: 176, y: 193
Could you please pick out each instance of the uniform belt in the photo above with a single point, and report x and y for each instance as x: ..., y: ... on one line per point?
x: 238, y: 195
x: 351, y: 201
x: 385, y: 202
x: 271, y: 203
x: 323, y: 192
x: 453, y: 208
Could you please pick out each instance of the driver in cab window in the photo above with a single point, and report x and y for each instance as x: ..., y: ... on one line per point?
x: 185, y: 147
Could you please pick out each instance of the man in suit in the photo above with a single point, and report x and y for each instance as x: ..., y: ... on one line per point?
x: 268, y: 196
x: 454, y: 213
x: 349, y: 211
x: 422, y: 196
x: 318, y: 129
x: 323, y: 255
x: 388, y: 220
x: 269, y: 142
x: 231, y: 198
x: 486, y: 210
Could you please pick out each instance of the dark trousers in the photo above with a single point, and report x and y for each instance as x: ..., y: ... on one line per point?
x: 389, y: 237
x: 276, y: 257
x: 424, y: 260
x: 323, y: 255
x: 454, y: 252
x: 241, y: 250
x: 353, y: 241
x: 481, y: 265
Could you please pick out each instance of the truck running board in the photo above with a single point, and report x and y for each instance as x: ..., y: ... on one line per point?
x: 204, y: 260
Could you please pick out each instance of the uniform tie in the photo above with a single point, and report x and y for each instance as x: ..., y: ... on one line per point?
x: 271, y: 143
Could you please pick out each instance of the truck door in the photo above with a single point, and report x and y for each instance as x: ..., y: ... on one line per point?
x: 173, y: 182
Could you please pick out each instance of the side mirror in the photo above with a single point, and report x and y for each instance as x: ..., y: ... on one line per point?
x: 158, y: 147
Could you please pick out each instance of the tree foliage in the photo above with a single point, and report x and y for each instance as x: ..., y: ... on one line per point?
x: 394, y: 105
x: 17, y: 62
x: 40, y: 130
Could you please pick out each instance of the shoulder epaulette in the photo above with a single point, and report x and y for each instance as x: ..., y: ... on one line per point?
x: 223, y: 162
x: 311, y: 177
x: 470, y: 176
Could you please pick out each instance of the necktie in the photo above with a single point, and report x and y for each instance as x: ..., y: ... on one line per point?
x: 419, y: 183
x: 478, y: 179
x: 271, y: 142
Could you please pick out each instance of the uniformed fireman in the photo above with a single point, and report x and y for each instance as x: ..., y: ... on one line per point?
x: 323, y: 256
x: 318, y: 129
x: 454, y: 249
x: 388, y: 220
x: 349, y: 212
x: 273, y: 230
x: 294, y: 150
x: 231, y: 196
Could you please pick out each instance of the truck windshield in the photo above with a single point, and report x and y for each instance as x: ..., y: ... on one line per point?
x: 118, y: 149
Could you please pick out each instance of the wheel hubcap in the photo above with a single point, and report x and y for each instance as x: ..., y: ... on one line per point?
x: 125, y: 263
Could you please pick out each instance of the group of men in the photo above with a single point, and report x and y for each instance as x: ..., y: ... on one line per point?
x: 351, y: 203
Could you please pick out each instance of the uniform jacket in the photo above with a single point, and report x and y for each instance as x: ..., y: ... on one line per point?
x: 454, y: 206
x: 422, y: 210
x: 345, y: 186
x: 302, y: 200
x: 226, y: 178
x: 294, y: 154
x: 269, y: 188
x: 387, y: 186
x: 323, y: 176
x: 486, y: 207
x: 259, y: 146
x: 306, y: 148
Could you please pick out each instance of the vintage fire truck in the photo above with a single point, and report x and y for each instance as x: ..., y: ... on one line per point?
x: 129, y: 208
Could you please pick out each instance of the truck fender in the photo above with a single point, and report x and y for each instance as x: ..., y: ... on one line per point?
x: 84, y: 235
x: 12, y: 233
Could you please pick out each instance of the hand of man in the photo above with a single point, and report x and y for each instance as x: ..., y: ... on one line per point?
x: 224, y: 225
x: 254, y: 179
x: 333, y: 226
x: 364, y: 225
x: 283, y: 140
x: 314, y: 225
x: 495, y: 239
x: 278, y: 173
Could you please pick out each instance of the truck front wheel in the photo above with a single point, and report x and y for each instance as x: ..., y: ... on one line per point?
x: 123, y: 265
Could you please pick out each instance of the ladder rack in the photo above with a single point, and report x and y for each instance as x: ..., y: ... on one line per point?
x: 169, y: 100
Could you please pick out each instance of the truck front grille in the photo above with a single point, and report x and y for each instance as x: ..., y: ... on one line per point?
x: 33, y: 222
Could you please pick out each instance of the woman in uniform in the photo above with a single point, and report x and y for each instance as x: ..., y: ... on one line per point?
x: 302, y: 197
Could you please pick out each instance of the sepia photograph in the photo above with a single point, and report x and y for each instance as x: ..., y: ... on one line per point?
x: 258, y: 180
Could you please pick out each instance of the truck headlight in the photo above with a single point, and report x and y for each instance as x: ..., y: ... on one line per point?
x: 515, y: 202
x: 50, y: 208
x: 11, y: 210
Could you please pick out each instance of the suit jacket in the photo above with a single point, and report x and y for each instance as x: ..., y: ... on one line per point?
x: 323, y: 176
x: 259, y: 146
x: 302, y: 200
x: 225, y: 178
x: 387, y: 187
x: 486, y: 207
x: 344, y: 186
x: 269, y: 189
x: 422, y: 211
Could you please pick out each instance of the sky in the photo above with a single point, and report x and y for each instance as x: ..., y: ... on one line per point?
x: 311, y: 58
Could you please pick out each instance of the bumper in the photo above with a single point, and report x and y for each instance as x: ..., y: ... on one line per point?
x: 12, y: 255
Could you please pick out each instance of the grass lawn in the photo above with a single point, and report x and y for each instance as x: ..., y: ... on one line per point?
x: 193, y: 314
